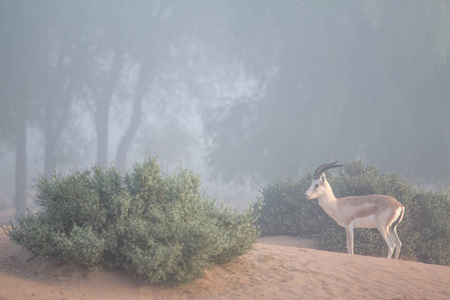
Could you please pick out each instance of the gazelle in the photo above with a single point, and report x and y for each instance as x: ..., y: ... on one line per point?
x: 372, y: 211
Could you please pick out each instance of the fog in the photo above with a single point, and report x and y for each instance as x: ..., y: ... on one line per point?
x: 242, y: 92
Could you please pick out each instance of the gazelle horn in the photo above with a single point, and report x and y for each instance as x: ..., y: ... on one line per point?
x: 320, y: 170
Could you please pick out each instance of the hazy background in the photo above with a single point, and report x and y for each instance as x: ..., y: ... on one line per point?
x: 239, y: 91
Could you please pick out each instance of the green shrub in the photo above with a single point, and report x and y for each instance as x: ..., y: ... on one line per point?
x: 284, y: 210
x: 424, y: 231
x: 157, y: 225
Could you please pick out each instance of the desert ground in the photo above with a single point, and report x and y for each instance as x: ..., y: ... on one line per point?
x: 277, y: 268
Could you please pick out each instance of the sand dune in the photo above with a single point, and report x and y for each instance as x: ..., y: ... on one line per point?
x: 278, y: 268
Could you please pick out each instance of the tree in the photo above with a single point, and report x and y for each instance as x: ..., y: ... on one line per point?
x: 350, y: 82
x: 18, y: 79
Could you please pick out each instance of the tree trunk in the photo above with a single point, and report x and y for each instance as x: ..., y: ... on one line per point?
x: 135, y: 121
x: 20, y: 203
x: 101, y: 127
x: 54, y: 120
x: 49, y: 138
x: 102, y: 110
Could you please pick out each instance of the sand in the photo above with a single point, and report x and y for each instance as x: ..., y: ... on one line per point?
x: 278, y: 268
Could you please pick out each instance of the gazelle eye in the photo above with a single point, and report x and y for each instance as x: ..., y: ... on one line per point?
x: 316, y: 186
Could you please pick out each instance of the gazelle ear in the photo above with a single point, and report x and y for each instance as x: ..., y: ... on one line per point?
x: 322, y: 177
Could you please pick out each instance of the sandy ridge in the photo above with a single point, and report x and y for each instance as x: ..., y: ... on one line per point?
x: 276, y: 269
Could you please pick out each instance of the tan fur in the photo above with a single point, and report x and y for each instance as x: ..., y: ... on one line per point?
x: 362, y: 206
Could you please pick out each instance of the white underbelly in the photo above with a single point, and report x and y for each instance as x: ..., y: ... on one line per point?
x: 365, y: 222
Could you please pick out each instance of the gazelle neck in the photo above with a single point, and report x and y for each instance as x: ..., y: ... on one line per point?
x: 328, y: 201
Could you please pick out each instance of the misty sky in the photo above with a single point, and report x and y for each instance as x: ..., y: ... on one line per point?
x: 239, y: 91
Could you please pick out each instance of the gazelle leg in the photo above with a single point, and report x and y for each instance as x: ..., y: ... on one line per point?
x: 387, y: 237
x: 396, y: 240
x: 349, y: 233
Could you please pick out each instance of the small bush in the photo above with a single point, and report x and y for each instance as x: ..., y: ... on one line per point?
x: 158, y: 226
x: 424, y: 231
